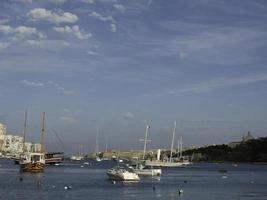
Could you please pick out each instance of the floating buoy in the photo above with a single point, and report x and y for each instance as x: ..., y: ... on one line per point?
x: 38, y: 184
x: 114, y: 182
x: 65, y: 187
x: 53, y: 186
x: 223, y: 177
x: 180, y: 191
x: 81, y: 166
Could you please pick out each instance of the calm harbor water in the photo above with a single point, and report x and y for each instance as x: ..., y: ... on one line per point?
x: 200, y: 181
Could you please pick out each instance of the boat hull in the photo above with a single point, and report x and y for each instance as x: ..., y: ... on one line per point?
x: 52, y: 161
x: 165, y: 164
x: 122, y: 175
x: 32, y: 167
x: 148, y: 172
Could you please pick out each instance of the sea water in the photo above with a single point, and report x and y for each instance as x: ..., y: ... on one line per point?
x: 78, y: 180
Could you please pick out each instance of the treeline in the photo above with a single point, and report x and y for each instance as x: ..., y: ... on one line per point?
x: 254, y: 150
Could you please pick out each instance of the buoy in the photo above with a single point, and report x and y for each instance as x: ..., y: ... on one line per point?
x: 114, y: 182
x: 81, y: 166
x: 53, y: 186
x: 38, y: 184
x: 65, y: 187
x: 180, y: 191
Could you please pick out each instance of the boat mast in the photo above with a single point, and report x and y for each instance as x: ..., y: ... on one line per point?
x: 96, y: 142
x: 181, y: 146
x: 145, y: 140
x: 24, y: 130
x: 42, y: 132
x: 173, y: 134
x: 106, y: 149
x: 178, y: 148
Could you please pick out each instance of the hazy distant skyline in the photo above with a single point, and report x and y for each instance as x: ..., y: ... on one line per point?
x: 119, y: 65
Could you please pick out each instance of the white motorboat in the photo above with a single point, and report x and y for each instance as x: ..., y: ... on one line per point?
x: 122, y: 174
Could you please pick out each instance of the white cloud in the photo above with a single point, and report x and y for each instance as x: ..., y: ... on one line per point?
x: 48, y: 84
x: 92, y: 53
x: 41, y: 14
x: 31, y: 83
x: 110, y: 19
x: 217, y: 84
x: 88, y: 1
x: 4, y: 45
x: 20, y: 31
x: 58, y: 1
x: 75, y: 30
x: 33, y: 42
x: 23, y: 1
x: 69, y: 92
x: 66, y: 110
x: 3, y: 21
x: 119, y: 7
x: 128, y: 115
x: 101, y: 17
x: 113, y: 27
x: 68, y: 119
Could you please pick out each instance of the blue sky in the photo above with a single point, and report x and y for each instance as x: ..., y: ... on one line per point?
x: 118, y: 65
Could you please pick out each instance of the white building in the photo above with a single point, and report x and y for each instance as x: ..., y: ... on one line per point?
x: 13, y: 145
x: 2, y: 135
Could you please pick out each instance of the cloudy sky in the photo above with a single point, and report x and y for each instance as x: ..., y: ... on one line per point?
x: 118, y: 65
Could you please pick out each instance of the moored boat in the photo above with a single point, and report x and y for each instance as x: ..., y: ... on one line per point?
x: 122, y: 174
x: 53, y: 158
x: 143, y: 170
x: 33, y: 161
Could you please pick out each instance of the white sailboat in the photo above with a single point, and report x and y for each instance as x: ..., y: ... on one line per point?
x: 80, y: 156
x: 33, y: 161
x: 171, y: 162
x: 97, y: 158
x: 140, y: 168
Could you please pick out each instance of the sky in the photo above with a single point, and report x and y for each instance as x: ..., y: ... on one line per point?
x: 119, y: 65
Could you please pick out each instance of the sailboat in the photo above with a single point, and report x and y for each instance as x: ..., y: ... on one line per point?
x: 169, y: 163
x: 97, y: 158
x: 140, y: 168
x: 80, y: 156
x: 33, y: 161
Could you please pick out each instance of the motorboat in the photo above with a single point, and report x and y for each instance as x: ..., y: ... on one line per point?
x: 76, y: 158
x: 120, y: 173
